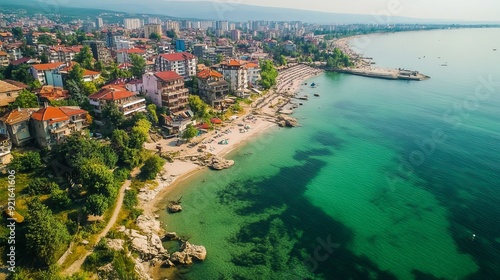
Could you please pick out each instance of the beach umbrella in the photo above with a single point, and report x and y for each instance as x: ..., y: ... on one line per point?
x: 204, y: 126
x: 215, y: 120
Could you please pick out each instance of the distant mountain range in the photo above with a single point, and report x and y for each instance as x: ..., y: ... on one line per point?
x: 221, y: 10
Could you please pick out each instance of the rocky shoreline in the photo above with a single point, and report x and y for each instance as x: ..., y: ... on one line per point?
x: 147, y: 243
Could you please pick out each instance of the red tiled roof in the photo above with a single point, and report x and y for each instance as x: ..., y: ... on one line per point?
x: 86, y: 72
x: 56, y: 114
x: 50, y: 113
x: 125, y: 65
x: 47, y: 66
x: 20, y: 61
x: 167, y: 76
x: 177, y: 56
x: 251, y: 65
x: 72, y: 111
x: 3, y: 53
x: 18, y: 115
x: 134, y: 50
x: 53, y: 93
x: 206, y: 73
x: 90, y: 73
x: 111, y: 93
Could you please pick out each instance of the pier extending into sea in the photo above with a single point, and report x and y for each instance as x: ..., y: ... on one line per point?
x: 363, y: 66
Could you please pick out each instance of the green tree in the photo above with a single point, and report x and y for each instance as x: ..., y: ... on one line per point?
x: 75, y: 89
x: 119, y: 140
x: 17, y: 33
x: 76, y: 73
x: 96, y: 204
x: 46, y: 238
x: 85, y: 58
x: 171, y: 34
x: 220, y: 58
x: 189, y: 133
x: 268, y: 74
x: 27, y: 162
x: 198, y: 107
x: 113, y: 116
x: 151, y: 109
x: 59, y: 198
x: 89, y: 88
x: 44, y: 58
x: 41, y: 186
x: 138, y: 65
x: 151, y: 167
x: 20, y: 73
x: 139, y: 134
x: 46, y: 39
x: 282, y: 60
x: 25, y: 99
x: 155, y: 36
x: 97, y: 178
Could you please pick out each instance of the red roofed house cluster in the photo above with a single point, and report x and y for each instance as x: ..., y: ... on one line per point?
x: 48, y: 125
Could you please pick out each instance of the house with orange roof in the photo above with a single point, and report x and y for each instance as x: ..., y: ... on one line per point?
x: 4, y: 59
x: 183, y: 63
x: 55, y: 73
x: 41, y: 71
x: 236, y: 74
x: 166, y: 89
x: 16, y: 124
x: 8, y: 93
x: 53, y: 124
x: 253, y: 73
x: 50, y: 93
x: 212, y: 88
x: 127, y: 102
x: 6, y: 37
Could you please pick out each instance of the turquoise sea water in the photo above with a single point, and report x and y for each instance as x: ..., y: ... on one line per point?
x: 383, y: 180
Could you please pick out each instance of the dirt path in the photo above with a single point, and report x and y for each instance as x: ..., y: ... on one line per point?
x: 75, y: 267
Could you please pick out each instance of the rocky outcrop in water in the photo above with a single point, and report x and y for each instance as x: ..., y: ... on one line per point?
x: 286, y: 121
x: 219, y: 163
x: 188, y: 253
x: 174, y: 208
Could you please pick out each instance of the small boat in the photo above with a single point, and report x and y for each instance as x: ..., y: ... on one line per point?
x: 494, y: 50
x: 316, y: 94
x: 444, y: 64
x: 303, y: 97
x: 305, y: 84
x: 313, y: 84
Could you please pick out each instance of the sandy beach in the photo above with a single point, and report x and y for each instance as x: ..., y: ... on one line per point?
x: 182, y: 167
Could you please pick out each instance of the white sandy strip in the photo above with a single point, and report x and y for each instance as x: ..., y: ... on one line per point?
x: 177, y: 171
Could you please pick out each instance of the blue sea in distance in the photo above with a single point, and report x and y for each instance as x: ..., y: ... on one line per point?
x: 383, y: 180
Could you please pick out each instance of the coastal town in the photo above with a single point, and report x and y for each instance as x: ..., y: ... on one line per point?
x: 100, y: 117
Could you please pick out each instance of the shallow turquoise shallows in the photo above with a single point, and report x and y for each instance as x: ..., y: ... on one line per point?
x: 383, y: 180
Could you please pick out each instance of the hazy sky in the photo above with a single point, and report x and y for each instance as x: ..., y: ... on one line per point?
x: 477, y: 10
